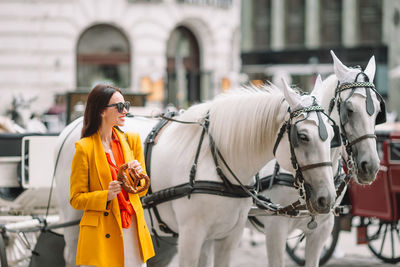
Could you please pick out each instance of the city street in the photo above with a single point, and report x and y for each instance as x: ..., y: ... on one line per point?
x: 347, y: 252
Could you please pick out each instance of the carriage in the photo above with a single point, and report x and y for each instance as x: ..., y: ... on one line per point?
x: 373, y: 210
x: 26, y: 165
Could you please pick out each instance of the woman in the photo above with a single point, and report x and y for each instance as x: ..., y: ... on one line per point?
x: 113, y: 231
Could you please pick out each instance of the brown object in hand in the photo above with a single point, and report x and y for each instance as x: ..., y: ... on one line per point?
x: 131, y: 185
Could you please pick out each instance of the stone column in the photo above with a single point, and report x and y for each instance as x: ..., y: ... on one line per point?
x: 277, y: 24
x: 312, y: 24
x: 349, y: 23
x: 246, y: 27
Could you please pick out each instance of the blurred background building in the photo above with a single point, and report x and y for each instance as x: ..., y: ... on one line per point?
x: 292, y: 38
x: 158, y: 51
x: 181, y: 52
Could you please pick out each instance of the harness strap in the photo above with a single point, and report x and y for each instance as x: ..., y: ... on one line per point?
x: 280, y: 135
x: 287, y: 179
x: 267, y: 182
x: 151, y: 139
x: 193, y: 170
x: 200, y: 187
x: 149, y: 143
x: 359, y: 139
x: 214, y: 152
x: 316, y: 165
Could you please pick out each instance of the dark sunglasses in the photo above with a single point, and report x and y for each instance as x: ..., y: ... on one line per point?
x: 120, y: 106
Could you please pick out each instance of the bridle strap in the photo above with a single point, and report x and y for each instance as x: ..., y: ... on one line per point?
x: 316, y: 165
x: 359, y: 139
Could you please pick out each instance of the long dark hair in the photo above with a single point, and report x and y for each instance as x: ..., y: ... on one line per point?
x: 96, y: 102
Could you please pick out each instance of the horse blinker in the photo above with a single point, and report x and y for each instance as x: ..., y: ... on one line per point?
x: 294, y: 138
x: 336, y: 141
x: 381, y: 117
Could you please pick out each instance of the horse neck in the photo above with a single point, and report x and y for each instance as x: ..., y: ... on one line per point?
x: 329, y: 93
x: 245, y: 130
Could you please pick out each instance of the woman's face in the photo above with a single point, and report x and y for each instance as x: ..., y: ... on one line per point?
x: 111, y: 116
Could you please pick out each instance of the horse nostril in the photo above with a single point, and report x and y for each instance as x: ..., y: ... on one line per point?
x: 364, y: 166
x: 322, y: 202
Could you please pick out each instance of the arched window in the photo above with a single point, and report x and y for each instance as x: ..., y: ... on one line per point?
x: 183, y: 68
x: 103, y: 54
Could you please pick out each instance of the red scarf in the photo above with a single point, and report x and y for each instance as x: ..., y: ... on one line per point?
x: 125, y: 205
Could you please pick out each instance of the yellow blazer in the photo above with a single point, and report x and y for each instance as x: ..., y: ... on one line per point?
x: 100, y: 238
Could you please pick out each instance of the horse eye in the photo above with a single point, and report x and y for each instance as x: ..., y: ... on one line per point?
x: 303, y: 137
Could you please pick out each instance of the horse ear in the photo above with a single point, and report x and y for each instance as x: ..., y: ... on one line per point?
x: 318, y: 88
x: 339, y: 68
x: 291, y: 96
x: 370, y: 69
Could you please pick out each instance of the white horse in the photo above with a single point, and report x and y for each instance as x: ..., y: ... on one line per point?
x: 22, y: 118
x: 359, y: 128
x: 244, y: 125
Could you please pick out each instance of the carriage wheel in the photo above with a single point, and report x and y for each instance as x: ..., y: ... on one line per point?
x: 18, y: 248
x: 296, y: 247
x: 3, y: 254
x: 384, y: 240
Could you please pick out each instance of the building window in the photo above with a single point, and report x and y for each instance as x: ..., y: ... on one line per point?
x: 330, y: 22
x: 294, y: 27
x: 261, y: 24
x: 370, y: 21
x: 183, y: 68
x: 103, y: 55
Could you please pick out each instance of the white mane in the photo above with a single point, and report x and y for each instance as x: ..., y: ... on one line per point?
x: 241, y: 121
x: 246, y: 118
x: 246, y: 121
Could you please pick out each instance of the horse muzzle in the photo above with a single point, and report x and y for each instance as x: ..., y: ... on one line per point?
x: 319, y: 202
x: 367, y: 170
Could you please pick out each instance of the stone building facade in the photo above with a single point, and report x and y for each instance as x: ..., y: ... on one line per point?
x: 293, y: 38
x: 175, y: 51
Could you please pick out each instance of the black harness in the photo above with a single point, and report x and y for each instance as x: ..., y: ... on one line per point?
x: 343, y: 113
x: 341, y: 180
x: 224, y: 188
x: 291, y: 129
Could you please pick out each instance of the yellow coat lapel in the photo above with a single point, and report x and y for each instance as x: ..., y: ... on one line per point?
x: 126, y: 150
x: 104, y: 173
x: 103, y: 169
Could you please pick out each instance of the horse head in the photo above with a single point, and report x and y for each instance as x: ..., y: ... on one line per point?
x: 309, y: 141
x: 21, y: 111
x: 360, y: 107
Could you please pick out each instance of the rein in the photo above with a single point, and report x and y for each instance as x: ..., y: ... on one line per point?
x: 299, y: 182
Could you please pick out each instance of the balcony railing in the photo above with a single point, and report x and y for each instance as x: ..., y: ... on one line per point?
x: 213, y: 3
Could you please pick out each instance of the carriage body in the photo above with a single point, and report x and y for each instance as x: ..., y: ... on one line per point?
x: 381, y: 199
x: 26, y: 166
x: 377, y: 205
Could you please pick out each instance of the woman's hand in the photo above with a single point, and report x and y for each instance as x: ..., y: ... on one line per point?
x: 114, y: 188
x: 135, y: 171
x: 134, y: 164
